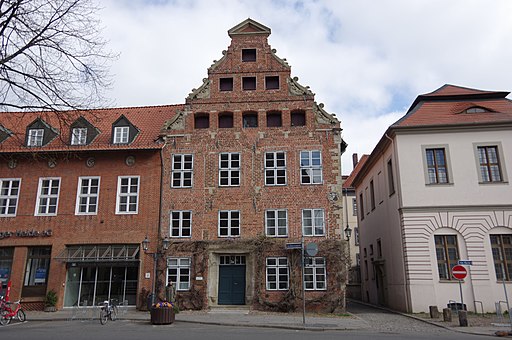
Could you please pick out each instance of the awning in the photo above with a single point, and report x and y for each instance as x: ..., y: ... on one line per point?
x: 100, y: 253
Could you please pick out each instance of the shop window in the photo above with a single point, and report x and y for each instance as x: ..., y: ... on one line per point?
x: 248, y: 54
x: 272, y: 83
x: 250, y: 119
x: 248, y: 83
x: 226, y: 84
x: 36, y: 271
x: 226, y: 120
x: 201, y: 121
x: 274, y: 119
x: 6, y: 254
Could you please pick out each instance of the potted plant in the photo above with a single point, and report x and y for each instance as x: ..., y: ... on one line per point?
x: 162, y: 313
x: 50, y: 301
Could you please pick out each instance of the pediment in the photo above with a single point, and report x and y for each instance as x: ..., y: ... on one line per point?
x: 247, y: 27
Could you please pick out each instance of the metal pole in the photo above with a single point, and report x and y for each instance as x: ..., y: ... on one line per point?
x: 461, y: 298
x: 303, y: 283
x: 155, y: 256
x: 506, y: 299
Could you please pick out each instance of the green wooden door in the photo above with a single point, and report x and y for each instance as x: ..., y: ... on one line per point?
x: 232, y: 285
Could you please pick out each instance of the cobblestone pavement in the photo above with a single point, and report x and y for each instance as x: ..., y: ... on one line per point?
x: 383, y: 321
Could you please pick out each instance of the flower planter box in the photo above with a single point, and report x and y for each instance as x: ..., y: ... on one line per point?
x: 162, y: 316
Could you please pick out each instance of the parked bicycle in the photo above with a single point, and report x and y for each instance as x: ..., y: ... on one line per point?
x: 7, y: 313
x: 108, y: 311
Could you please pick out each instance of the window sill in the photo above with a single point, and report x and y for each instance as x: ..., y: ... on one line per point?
x: 491, y: 183
x: 439, y: 184
x: 451, y: 281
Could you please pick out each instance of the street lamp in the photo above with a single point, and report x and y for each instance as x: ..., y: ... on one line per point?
x: 348, y: 232
x: 145, y: 246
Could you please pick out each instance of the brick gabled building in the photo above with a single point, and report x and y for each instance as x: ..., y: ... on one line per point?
x: 79, y: 191
x: 253, y: 163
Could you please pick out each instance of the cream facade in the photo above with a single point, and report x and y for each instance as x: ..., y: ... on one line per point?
x: 432, y: 194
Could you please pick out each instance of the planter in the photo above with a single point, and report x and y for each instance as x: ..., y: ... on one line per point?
x: 162, y: 316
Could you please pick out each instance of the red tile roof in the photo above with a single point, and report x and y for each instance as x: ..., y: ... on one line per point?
x: 447, y: 105
x: 349, y: 181
x: 148, y: 120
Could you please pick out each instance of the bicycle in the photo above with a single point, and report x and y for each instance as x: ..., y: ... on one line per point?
x: 108, y: 311
x: 7, y: 313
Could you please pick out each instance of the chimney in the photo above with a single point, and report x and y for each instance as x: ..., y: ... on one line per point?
x: 354, y: 159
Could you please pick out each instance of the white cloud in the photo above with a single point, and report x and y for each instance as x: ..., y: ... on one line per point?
x: 366, y: 60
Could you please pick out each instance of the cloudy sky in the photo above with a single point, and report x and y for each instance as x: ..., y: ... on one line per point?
x: 365, y: 60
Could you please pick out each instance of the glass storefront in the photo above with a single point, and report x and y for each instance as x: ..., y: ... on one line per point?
x: 36, y: 271
x: 6, y: 254
x: 91, y: 285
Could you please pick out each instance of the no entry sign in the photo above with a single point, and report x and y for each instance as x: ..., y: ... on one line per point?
x: 459, y: 272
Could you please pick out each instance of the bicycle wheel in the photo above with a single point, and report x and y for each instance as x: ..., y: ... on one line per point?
x: 21, y: 315
x: 103, y: 316
x: 113, y: 313
x: 4, y: 319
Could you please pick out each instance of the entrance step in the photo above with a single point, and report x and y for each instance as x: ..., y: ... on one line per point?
x: 229, y: 309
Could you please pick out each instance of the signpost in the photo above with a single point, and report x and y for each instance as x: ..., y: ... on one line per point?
x: 459, y: 272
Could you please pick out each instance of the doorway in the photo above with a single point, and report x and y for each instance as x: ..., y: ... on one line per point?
x: 232, y: 280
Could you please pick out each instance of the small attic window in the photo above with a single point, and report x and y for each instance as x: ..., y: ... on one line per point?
x: 248, y: 83
x: 476, y: 109
x: 248, y: 54
x: 201, y: 121
x: 298, y: 118
x: 226, y: 84
x: 272, y: 83
x: 274, y: 119
x: 226, y: 120
x: 250, y: 119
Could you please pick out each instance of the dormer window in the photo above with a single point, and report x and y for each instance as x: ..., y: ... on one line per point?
x: 121, y: 134
x: 476, y: 109
x: 35, y: 137
x: 248, y: 54
x: 123, y: 131
x: 79, y: 136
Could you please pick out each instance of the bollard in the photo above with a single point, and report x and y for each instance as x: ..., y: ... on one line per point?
x: 434, y: 312
x: 447, y: 314
x: 463, y: 318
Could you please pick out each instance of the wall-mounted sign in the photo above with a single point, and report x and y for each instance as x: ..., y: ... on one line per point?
x: 25, y: 233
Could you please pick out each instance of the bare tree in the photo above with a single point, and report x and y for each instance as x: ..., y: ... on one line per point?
x: 52, y: 56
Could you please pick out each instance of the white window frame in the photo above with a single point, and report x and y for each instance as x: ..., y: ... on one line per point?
x: 276, y: 269
x: 230, y: 220
x: 8, y: 199
x: 228, y: 169
x: 79, y: 136
x: 121, y: 134
x: 311, y: 167
x: 272, y: 227
x: 272, y: 171
x: 129, y: 194
x: 317, y: 223
x: 181, y: 169
x: 182, y: 267
x: 181, y: 223
x: 88, y: 196
x: 46, y: 200
x: 35, y: 137
x: 314, y: 268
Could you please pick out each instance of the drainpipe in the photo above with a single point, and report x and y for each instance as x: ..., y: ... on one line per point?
x: 407, y: 289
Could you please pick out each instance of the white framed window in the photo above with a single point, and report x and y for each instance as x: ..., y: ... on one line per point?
x: 87, y: 196
x: 229, y: 169
x: 127, y: 195
x: 178, y: 272
x: 276, y: 223
x: 275, y: 168
x: 315, y: 277
x: 277, y: 273
x: 182, y: 170
x: 489, y: 165
x: 436, y: 165
x: 311, y: 167
x: 229, y: 223
x: 47, y: 197
x: 9, y: 196
x: 79, y: 136
x: 181, y: 224
x: 121, y: 134
x: 313, y: 222
x: 35, y: 137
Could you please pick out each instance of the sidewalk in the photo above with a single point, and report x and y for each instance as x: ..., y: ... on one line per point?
x: 246, y: 318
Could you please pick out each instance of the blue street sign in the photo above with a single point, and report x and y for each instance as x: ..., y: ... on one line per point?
x: 465, y: 262
x: 294, y: 246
